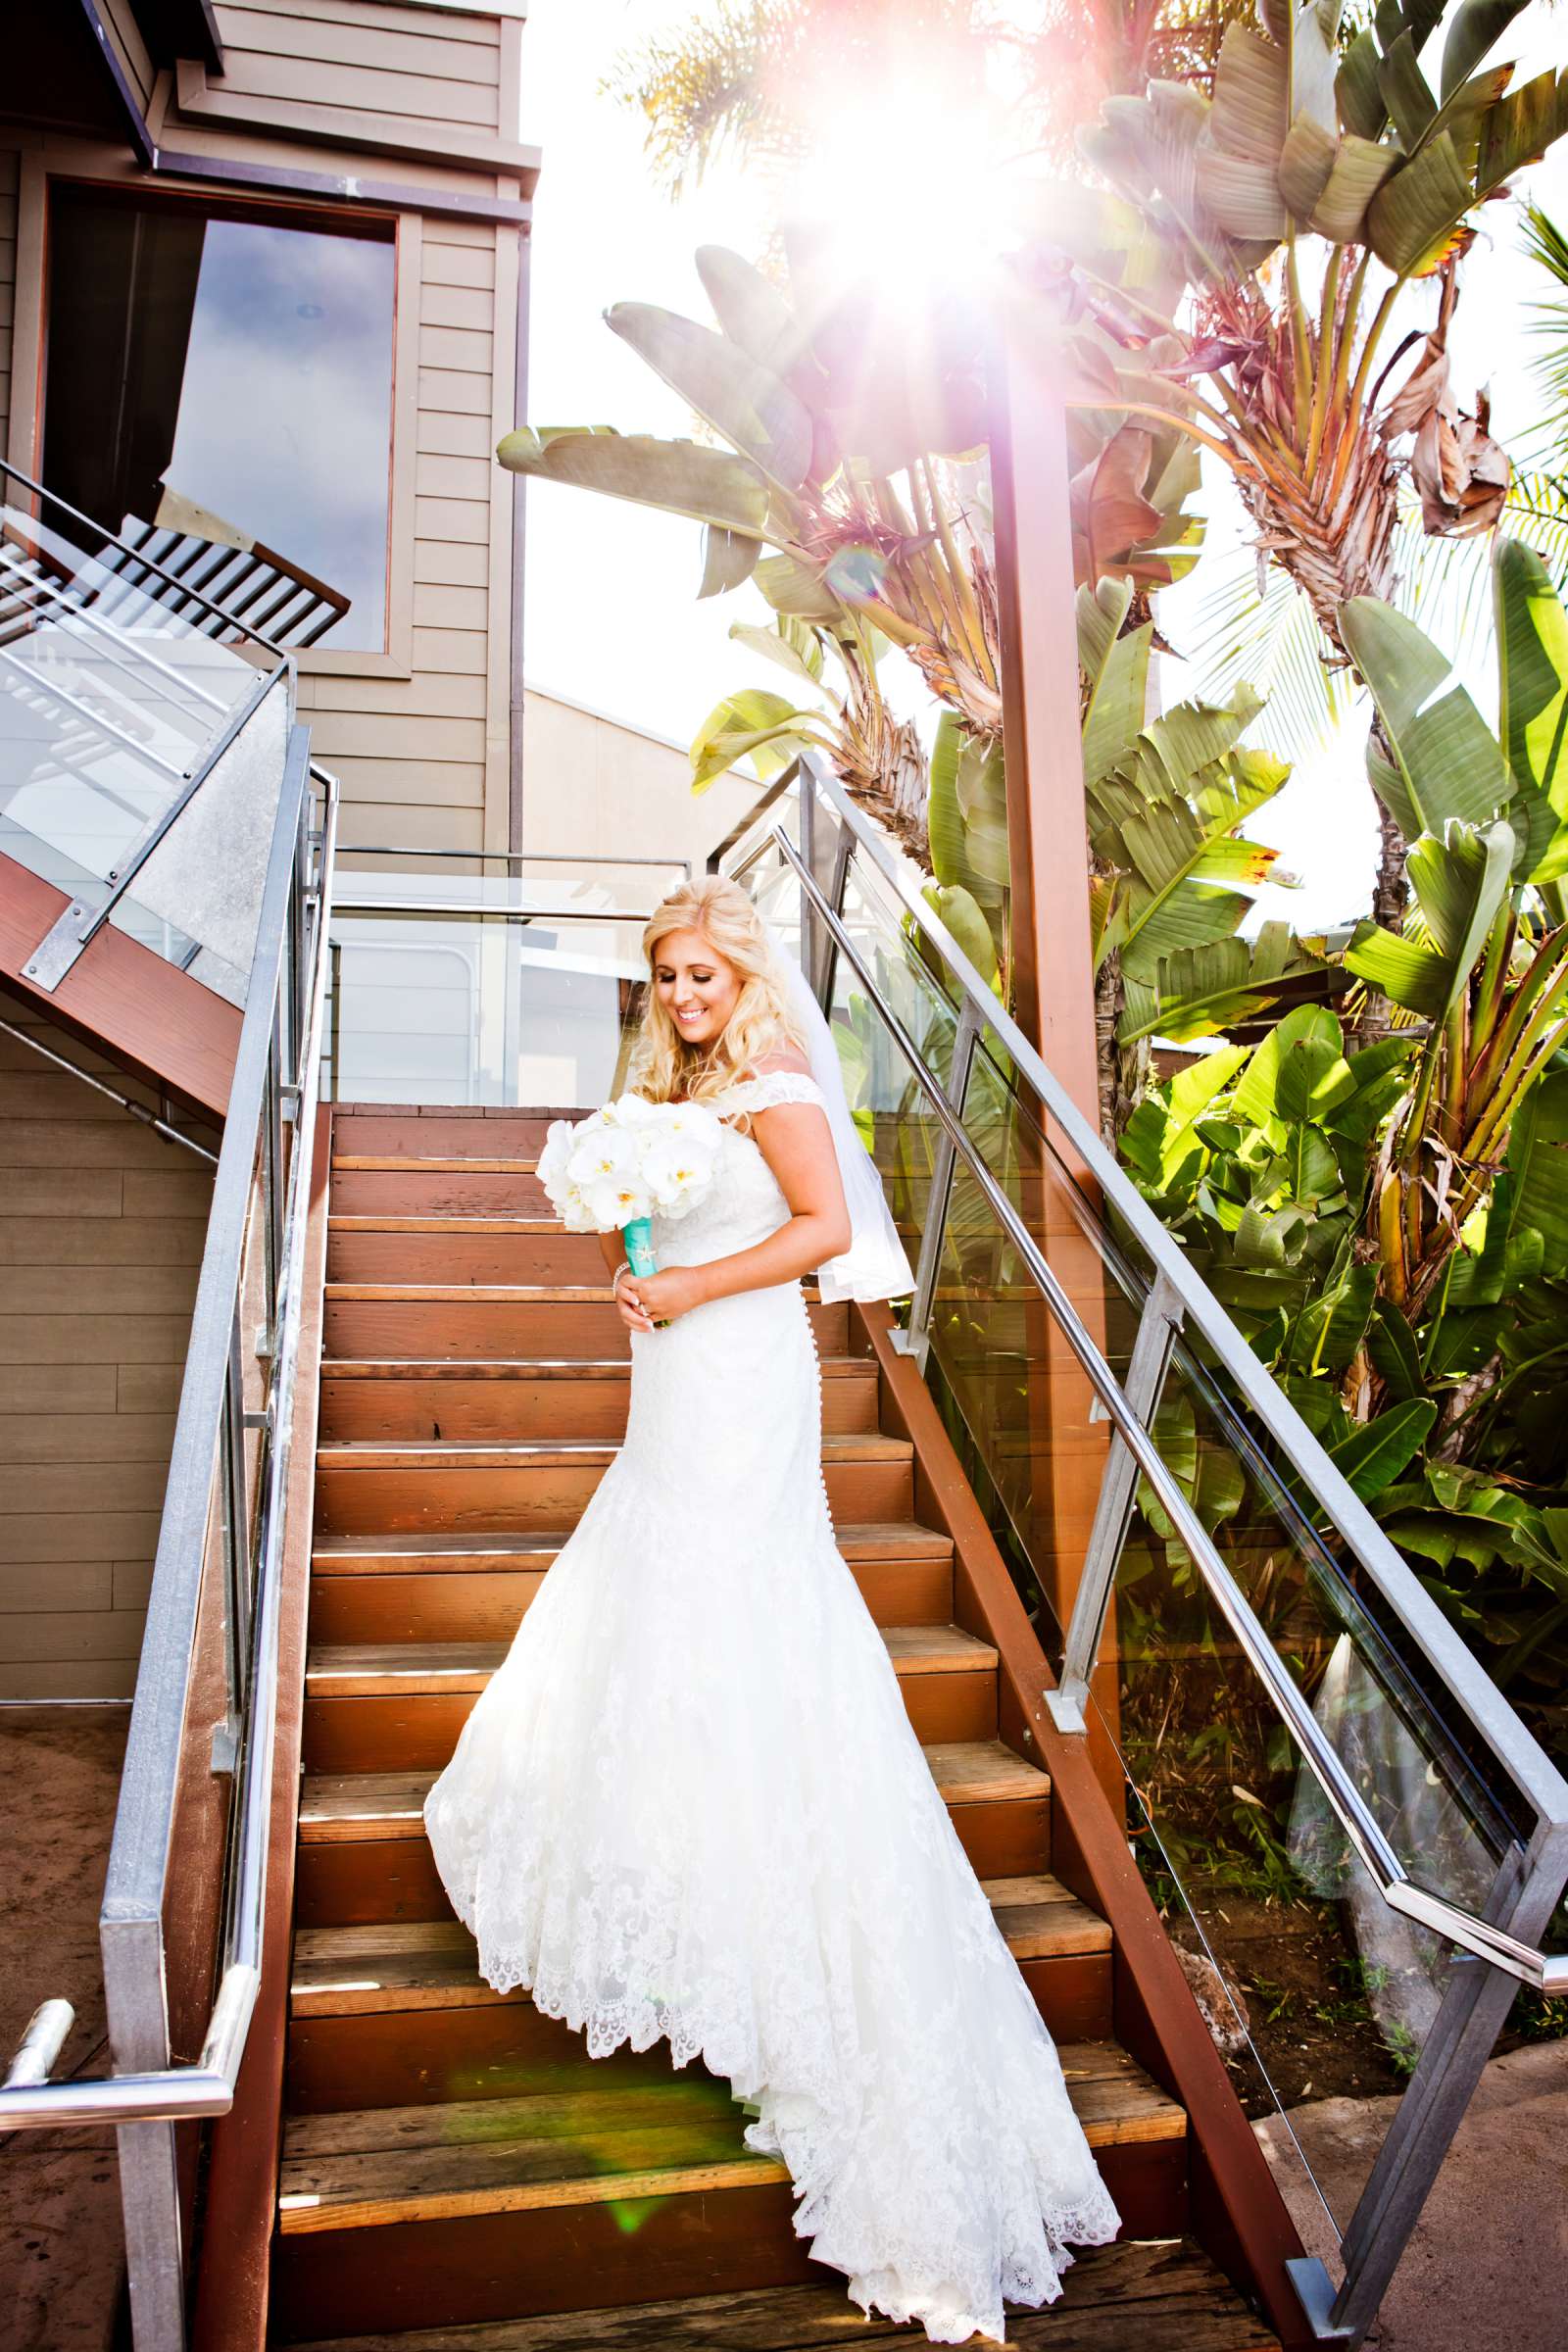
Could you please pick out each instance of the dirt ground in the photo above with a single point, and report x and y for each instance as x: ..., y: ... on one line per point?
x: 59, y: 2228
x: 1306, y: 2004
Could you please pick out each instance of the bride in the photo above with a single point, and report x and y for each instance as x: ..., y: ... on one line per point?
x: 690, y: 1804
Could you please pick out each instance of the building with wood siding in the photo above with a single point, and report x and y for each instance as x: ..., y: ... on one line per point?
x: 263, y: 273
x: 389, y: 121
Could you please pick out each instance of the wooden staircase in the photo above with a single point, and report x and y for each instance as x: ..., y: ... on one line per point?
x: 455, y: 2171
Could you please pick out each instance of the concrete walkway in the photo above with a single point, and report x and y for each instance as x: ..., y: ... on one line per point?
x: 1487, y: 2269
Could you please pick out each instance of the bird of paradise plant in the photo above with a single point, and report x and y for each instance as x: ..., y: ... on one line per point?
x: 840, y: 486
x: 1197, y: 257
x: 1485, y: 965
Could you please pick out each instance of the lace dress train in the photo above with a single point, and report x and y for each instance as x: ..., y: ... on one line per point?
x: 690, y: 1805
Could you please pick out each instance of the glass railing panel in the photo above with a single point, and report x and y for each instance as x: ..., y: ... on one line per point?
x: 1313, y: 1982
x: 1337, y: 1992
x: 1444, y: 1816
x: 479, y: 1005
x: 997, y: 1340
x: 890, y: 1109
x: 128, y: 914
x: 1037, y: 1435
x: 107, y: 700
x: 1075, y: 1226
x: 1313, y: 1985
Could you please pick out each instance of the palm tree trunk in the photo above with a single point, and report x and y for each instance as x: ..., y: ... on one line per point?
x: 1391, y: 894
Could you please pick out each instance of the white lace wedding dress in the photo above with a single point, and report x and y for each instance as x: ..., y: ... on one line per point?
x: 690, y: 1804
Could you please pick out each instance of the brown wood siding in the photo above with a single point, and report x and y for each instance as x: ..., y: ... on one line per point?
x: 102, y: 1226
x: 8, y: 281
x: 416, y: 70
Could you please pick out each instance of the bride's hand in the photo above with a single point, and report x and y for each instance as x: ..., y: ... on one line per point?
x: 673, y: 1291
x: 629, y: 1304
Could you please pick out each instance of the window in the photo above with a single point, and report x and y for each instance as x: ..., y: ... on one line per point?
x: 223, y: 360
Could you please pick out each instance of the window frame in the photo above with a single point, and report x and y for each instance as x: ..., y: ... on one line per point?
x: 394, y: 657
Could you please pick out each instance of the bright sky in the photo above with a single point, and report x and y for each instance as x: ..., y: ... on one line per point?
x: 612, y: 617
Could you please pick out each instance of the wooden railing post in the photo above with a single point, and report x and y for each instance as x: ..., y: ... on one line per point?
x: 1053, y: 969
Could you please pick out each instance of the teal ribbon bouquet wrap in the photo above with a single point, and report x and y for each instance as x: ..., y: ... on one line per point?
x: 627, y: 1163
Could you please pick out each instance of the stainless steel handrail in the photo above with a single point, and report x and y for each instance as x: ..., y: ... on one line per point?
x: 1476, y: 1696
x: 273, y: 1068
x: 1349, y: 1809
x: 577, y: 859
x: 497, y: 913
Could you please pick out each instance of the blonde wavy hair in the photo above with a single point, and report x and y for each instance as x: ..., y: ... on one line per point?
x: 662, y: 1064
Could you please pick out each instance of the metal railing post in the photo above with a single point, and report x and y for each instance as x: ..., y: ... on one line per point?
x: 840, y: 883
x: 811, y: 935
x: 915, y: 1341
x: 271, y: 1203
x: 334, y: 950
x: 1147, y: 1367
x: 233, y: 1518
x: 1474, y: 2009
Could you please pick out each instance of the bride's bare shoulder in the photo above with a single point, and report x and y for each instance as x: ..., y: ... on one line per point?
x: 782, y: 1058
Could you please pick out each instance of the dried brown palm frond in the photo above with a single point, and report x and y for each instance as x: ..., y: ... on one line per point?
x: 882, y: 762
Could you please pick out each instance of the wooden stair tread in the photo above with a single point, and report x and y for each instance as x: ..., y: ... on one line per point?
x: 362, y: 1669
x: 336, y: 1806
x: 489, y: 1453
x: 973, y: 1772
x: 1138, y: 2295
x: 354, y: 1221
x: 430, y: 1963
x: 525, y: 1367
x: 493, y: 1294
x: 1041, y: 1918
x: 578, y: 2145
x: 413, y: 1550
x: 435, y: 1164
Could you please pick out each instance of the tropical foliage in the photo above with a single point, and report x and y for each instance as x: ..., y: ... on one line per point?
x: 1250, y: 252
x: 1390, y: 1226
x: 836, y: 483
x: 1265, y: 265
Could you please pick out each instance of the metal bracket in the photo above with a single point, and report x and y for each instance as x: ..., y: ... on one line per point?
x: 225, y: 1747
x: 52, y: 959
x: 1065, y: 1711
x: 916, y: 1345
x: 1316, y: 2294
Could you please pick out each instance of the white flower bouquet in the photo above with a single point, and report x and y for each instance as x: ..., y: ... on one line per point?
x: 625, y: 1163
